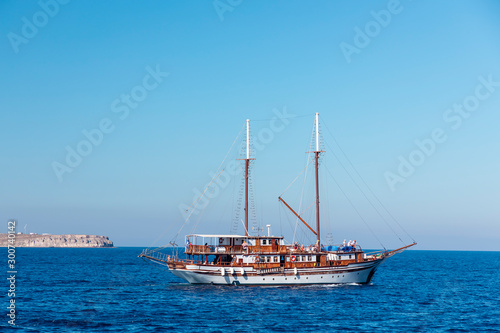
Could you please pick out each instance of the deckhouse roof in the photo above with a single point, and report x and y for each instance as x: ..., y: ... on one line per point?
x: 215, y: 235
x: 231, y: 236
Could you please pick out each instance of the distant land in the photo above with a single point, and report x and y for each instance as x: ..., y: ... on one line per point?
x: 47, y: 240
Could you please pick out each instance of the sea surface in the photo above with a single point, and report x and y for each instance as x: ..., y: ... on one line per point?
x: 112, y: 290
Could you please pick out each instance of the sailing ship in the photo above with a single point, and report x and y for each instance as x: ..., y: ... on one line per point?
x: 222, y: 259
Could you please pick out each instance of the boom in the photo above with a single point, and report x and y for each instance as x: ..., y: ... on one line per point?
x: 300, y: 218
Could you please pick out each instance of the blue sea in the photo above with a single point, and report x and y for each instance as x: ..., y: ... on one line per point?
x: 112, y: 290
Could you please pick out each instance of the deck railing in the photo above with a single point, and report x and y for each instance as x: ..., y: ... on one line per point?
x: 263, y: 249
x: 156, y: 255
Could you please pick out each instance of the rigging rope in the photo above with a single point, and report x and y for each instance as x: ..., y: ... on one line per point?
x: 368, y: 187
x: 303, y: 187
x: 206, y: 188
x: 366, y: 197
x: 291, y: 117
x: 305, y: 210
x: 296, y: 178
x: 361, y: 217
x: 213, y: 179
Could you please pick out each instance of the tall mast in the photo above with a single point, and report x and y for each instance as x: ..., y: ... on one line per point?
x: 247, y: 163
x: 316, y: 165
x: 317, y: 132
x: 316, y: 158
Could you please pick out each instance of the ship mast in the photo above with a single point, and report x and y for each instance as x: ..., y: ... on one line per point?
x: 247, y: 164
x: 316, y: 164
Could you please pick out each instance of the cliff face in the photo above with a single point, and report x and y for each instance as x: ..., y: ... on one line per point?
x: 57, y: 241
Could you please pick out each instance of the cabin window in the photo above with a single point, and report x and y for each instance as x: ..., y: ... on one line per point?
x: 275, y: 259
x: 349, y: 256
x: 309, y: 258
x: 267, y: 259
x: 304, y: 258
x: 264, y: 241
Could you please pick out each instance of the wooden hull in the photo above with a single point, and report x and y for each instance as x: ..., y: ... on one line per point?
x: 358, y: 273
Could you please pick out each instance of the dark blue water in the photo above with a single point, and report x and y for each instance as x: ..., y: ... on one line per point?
x: 111, y: 290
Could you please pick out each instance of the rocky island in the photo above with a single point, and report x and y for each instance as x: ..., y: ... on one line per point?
x: 46, y: 240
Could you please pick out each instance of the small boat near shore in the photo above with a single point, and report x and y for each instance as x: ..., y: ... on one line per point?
x: 223, y: 259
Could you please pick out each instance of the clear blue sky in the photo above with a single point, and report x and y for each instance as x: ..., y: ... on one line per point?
x: 65, y: 68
